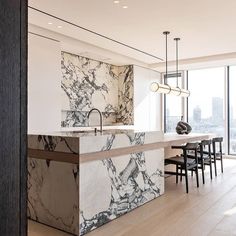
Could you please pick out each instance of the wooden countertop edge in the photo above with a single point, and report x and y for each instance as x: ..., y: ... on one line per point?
x: 53, y: 156
x: 94, y: 156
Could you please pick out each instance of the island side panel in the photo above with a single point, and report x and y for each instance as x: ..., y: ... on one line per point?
x: 112, y: 187
x: 53, y: 187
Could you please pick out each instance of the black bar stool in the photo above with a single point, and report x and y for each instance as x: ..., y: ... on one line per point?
x: 204, y: 157
x: 217, y: 152
x: 184, y: 163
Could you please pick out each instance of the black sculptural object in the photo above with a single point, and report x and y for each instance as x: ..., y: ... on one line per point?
x: 183, y: 128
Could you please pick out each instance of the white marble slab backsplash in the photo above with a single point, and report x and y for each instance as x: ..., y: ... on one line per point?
x: 88, y: 84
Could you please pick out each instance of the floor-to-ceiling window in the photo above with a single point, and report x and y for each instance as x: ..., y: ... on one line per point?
x: 206, y: 102
x: 206, y: 111
x: 232, y: 110
x: 173, y: 107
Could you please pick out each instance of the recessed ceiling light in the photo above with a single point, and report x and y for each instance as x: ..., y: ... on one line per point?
x: 59, y: 26
x: 50, y: 23
x: 116, y: 1
x: 125, y: 7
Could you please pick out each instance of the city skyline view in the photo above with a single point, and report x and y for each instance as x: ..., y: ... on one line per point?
x: 206, y: 104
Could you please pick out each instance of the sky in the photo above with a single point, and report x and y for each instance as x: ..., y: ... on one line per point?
x: 205, y: 84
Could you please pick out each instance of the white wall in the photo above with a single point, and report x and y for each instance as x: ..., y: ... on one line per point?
x: 147, y: 105
x: 44, y: 85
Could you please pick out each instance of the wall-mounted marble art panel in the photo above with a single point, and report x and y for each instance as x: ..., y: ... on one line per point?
x: 88, y: 84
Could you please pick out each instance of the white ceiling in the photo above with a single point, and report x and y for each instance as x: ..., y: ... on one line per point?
x: 206, y: 27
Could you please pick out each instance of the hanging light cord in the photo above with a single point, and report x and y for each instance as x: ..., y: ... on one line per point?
x: 177, y: 62
x: 166, y: 59
x: 166, y: 34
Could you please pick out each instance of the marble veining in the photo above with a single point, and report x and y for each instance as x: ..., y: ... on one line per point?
x: 123, y: 139
x: 54, y: 143
x: 125, y: 99
x: 47, y: 203
x: 53, y: 187
x: 80, y: 118
x: 130, y: 181
x: 88, y: 84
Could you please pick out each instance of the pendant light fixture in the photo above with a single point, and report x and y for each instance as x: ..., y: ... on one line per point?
x: 165, y: 88
x: 162, y: 88
x: 185, y: 93
x: 182, y: 92
x: 177, y: 91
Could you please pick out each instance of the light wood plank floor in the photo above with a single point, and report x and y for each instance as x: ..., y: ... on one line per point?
x: 209, y: 210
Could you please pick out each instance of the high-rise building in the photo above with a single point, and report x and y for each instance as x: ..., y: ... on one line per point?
x: 217, y: 109
x: 197, y: 114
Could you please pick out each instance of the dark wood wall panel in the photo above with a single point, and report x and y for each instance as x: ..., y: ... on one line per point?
x: 13, y: 117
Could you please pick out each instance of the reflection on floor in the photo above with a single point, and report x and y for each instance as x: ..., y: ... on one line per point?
x: 36, y: 229
x: 209, y: 210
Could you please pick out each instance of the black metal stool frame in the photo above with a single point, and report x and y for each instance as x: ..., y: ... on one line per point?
x: 184, y: 165
x: 204, y: 157
x: 217, y: 155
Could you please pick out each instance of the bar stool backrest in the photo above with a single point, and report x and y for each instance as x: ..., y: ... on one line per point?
x: 217, y: 139
x: 205, y: 142
x: 191, y: 146
x: 205, y: 147
x: 217, y: 144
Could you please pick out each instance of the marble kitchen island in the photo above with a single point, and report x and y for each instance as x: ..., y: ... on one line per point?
x: 79, y: 181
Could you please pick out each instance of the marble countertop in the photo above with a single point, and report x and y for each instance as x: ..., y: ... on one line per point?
x: 105, y: 127
x: 91, y: 133
x: 116, y: 130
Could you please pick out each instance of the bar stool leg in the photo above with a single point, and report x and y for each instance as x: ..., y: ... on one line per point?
x: 177, y: 171
x: 214, y: 156
x: 197, y: 176
x: 186, y: 178
x: 211, y: 169
x: 181, y: 171
x: 221, y: 159
x: 215, y: 165
x: 203, y: 168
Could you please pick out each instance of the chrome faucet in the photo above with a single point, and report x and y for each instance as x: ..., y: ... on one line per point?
x: 100, y: 114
